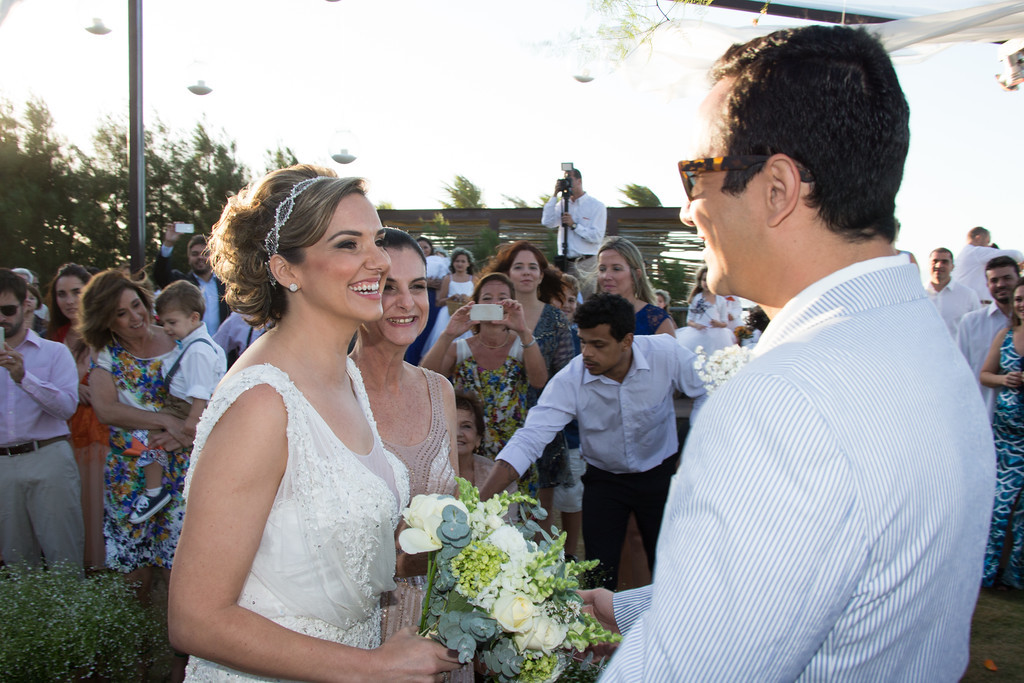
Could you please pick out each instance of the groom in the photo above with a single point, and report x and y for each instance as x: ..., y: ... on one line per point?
x: 829, y: 515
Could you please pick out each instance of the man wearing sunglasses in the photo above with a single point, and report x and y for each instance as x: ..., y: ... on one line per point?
x: 40, y: 489
x: 829, y: 515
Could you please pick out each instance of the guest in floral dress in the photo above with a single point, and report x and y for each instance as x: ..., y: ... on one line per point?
x: 538, y: 287
x: 127, y: 391
x: 498, y: 363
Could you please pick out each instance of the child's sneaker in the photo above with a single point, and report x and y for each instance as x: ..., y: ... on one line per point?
x: 146, y: 506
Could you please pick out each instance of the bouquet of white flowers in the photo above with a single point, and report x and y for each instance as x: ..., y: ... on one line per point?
x: 492, y: 592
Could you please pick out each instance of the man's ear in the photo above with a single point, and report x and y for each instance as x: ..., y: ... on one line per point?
x: 784, y: 189
x: 627, y: 341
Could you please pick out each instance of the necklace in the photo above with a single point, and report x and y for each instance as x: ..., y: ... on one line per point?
x: 507, y: 333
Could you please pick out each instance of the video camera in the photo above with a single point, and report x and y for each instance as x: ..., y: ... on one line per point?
x: 564, y: 184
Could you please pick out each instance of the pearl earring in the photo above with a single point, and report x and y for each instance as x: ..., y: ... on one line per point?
x: 293, y: 287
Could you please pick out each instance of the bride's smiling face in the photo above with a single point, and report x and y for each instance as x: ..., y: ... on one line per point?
x: 404, y: 299
x: 343, y: 271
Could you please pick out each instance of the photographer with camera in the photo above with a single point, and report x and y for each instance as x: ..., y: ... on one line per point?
x: 572, y: 210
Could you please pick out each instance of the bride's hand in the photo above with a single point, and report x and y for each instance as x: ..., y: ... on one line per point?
x: 408, y: 657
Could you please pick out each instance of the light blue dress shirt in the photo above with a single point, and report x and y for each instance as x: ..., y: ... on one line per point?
x: 829, y: 516
x: 624, y: 427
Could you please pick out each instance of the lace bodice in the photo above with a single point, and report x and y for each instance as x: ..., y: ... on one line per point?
x: 327, y: 551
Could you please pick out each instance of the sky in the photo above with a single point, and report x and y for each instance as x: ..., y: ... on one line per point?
x: 429, y: 90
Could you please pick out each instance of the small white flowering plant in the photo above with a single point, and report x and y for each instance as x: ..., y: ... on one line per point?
x: 492, y: 592
x: 721, y: 366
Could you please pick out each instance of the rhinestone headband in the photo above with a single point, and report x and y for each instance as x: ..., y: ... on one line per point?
x: 284, y: 211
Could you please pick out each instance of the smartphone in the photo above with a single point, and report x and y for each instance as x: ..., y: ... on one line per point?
x: 2, y: 342
x: 184, y: 227
x: 486, y: 312
x: 567, y: 166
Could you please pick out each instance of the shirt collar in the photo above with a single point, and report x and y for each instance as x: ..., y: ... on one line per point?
x: 192, y: 336
x: 799, y: 302
x: 31, y: 338
x: 638, y: 363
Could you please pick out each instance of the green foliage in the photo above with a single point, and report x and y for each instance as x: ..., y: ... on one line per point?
x: 385, y: 206
x: 439, y: 232
x: 516, y: 202
x: 463, y: 194
x: 639, y: 195
x: 280, y: 157
x: 61, y: 204
x: 57, y: 626
x: 485, y: 245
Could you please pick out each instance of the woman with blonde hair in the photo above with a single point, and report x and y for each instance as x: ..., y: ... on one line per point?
x: 620, y: 270
x: 293, y: 501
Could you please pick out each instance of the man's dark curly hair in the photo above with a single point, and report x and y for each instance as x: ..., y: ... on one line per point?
x: 828, y: 97
x: 607, y: 309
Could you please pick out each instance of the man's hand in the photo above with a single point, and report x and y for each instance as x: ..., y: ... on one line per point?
x: 567, y: 220
x: 170, y: 235
x: 598, y: 604
x: 15, y: 364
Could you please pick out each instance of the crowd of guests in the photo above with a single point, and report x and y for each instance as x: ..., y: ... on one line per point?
x: 114, y: 384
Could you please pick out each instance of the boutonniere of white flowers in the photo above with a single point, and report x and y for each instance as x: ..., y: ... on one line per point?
x: 721, y: 366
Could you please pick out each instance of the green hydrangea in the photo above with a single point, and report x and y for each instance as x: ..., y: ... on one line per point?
x: 476, y: 566
x: 538, y: 670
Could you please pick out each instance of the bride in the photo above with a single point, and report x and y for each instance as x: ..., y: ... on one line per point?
x: 292, y: 502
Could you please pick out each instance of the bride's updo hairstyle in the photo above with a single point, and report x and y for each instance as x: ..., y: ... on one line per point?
x: 283, y: 212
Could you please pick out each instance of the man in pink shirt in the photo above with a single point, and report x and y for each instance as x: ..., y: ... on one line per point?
x: 40, y: 489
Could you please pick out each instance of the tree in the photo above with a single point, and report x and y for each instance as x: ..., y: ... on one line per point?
x: 60, y: 204
x: 639, y: 195
x: 281, y: 157
x: 463, y: 194
x: 516, y: 202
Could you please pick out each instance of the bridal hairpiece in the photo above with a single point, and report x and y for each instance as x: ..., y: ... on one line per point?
x: 284, y: 210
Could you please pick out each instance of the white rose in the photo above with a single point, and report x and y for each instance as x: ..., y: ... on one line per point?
x: 509, y: 540
x: 424, y: 515
x: 514, y: 612
x: 415, y: 541
x: 546, y: 634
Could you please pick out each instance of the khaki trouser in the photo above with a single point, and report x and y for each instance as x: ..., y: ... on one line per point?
x: 41, y: 506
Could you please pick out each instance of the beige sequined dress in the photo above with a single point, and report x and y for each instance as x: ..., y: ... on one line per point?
x: 430, y: 471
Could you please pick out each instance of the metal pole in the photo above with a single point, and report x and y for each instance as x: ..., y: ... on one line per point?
x: 136, y: 141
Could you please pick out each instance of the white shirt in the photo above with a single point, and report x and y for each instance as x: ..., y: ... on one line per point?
x: 201, y: 367
x: 830, y: 513
x: 970, y: 267
x: 953, y: 301
x: 624, y: 427
x: 974, y: 336
x: 590, y: 217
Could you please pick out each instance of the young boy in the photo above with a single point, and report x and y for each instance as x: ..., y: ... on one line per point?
x: 191, y: 375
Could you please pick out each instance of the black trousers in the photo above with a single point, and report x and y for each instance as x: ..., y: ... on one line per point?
x: 607, y: 501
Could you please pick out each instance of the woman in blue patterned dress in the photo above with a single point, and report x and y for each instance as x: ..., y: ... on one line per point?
x: 127, y: 391
x: 1002, y: 371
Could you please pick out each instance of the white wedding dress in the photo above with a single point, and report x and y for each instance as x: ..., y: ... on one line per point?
x: 328, y: 548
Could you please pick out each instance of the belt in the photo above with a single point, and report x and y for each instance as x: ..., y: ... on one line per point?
x: 30, y: 446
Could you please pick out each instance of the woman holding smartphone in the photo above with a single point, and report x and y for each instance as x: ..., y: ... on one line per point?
x: 498, y: 363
